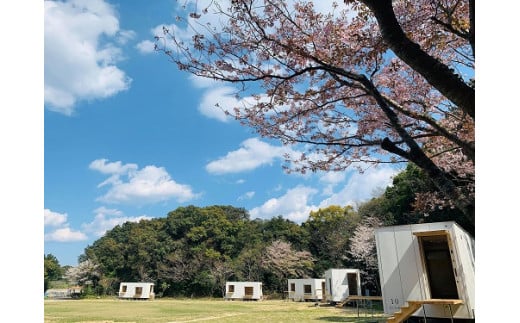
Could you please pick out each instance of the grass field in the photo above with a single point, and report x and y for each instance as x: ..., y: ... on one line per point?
x: 112, y: 310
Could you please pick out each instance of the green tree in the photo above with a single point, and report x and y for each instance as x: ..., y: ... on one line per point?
x: 279, y: 228
x: 330, y: 229
x: 51, y: 269
x: 131, y: 252
x: 248, y: 264
x: 404, y: 201
x: 206, y: 240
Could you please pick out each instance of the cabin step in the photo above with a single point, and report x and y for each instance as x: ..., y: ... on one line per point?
x: 413, y: 305
x: 342, y: 303
x: 404, y: 313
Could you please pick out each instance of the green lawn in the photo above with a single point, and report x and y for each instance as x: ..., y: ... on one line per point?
x: 199, y: 310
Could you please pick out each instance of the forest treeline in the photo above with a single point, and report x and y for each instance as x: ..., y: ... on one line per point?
x: 194, y: 250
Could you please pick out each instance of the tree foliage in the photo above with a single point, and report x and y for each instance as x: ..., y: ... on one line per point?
x: 51, y: 269
x: 398, y: 204
x: 330, y: 229
x: 382, y: 81
x: 194, y: 251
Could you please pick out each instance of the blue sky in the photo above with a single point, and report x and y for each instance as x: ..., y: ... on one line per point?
x: 129, y: 137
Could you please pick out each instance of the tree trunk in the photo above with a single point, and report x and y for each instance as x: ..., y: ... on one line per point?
x: 436, y: 73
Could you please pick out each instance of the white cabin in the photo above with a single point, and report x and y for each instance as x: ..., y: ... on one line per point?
x: 244, y: 291
x: 341, y: 283
x: 138, y: 290
x: 427, y: 269
x: 310, y: 289
x: 71, y: 292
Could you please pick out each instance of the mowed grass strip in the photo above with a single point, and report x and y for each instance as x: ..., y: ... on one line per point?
x: 198, y: 310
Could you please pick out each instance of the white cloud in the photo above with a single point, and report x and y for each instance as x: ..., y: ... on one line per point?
x: 293, y: 205
x: 78, y: 66
x: 125, y: 36
x: 253, y: 154
x: 331, y: 179
x: 128, y: 184
x: 297, y: 203
x: 105, y: 167
x: 65, y: 235
x: 216, y: 101
x: 361, y: 187
x: 106, y: 211
x: 106, y: 219
x: 62, y: 231
x: 146, y: 47
x: 246, y: 196
x: 54, y: 219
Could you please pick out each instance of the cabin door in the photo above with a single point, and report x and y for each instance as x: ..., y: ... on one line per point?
x: 248, y: 291
x: 352, y: 284
x: 439, y: 266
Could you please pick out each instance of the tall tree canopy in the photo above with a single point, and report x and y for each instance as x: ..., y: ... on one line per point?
x: 381, y: 81
x: 330, y: 229
x: 194, y: 251
x: 51, y: 269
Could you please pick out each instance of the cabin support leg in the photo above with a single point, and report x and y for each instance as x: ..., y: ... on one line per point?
x: 451, y: 313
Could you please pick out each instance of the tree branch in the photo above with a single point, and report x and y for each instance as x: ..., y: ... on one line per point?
x: 436, y: 73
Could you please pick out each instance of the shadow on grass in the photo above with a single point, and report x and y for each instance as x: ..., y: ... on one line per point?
x: 351, y: 319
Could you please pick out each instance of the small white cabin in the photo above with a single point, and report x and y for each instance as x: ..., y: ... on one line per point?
x: 427, y: 269
x: 340, y: 283
x: 71, y: 292
x: 57, y: 293
x: 138, y: 290
x: 309, y: 289
x: 244, y: 291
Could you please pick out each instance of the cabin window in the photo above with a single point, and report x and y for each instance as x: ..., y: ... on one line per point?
x: 307, y: 289
x: 123, y: 289
x: 293, y: 287
x: 439, y: 267
x: 138, y: 291
x: 248, y: 291
x: 231, y: 288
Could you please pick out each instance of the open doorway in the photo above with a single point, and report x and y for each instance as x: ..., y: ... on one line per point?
x: 352, y: 284
x: 439, y: 266
x: 249, y: 291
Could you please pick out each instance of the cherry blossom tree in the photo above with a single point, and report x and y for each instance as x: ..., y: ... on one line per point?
x: 372, y: 81
x: 285, y: 262
x: 87, y: 272
x: 363, y: 251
